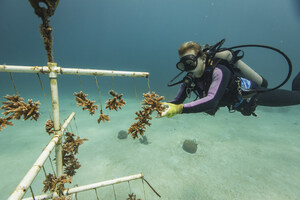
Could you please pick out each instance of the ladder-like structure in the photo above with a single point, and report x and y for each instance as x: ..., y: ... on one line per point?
x: 53, y: 71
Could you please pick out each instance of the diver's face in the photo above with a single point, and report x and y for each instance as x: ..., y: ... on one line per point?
x: 198, y: 71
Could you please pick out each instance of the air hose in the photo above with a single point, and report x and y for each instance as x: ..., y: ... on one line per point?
x: 280, y: 52
x: 217, y: 48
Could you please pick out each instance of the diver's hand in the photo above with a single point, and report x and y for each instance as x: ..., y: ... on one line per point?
x: 171, y: 109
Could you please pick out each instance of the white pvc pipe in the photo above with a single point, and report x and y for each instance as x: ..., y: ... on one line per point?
x: 71, y: 71
x: 89, y: 187
x: 24, y: 69
x: 94, y: 72
x: 34, y: 170
x: 56, y: 117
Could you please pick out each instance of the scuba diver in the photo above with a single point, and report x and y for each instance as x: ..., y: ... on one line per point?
x: 218, y: 77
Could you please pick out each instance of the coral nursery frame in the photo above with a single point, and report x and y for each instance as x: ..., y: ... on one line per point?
x: 53, y: 71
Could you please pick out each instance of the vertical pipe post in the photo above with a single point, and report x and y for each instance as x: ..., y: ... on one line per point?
x: 56, y: 117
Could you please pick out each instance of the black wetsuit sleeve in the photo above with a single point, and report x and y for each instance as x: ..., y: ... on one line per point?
x: 220, y: 79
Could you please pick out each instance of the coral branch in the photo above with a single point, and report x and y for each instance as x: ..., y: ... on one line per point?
x: 85, y: 103
x: 56, y: 184
x: 70, y: 148
x: 132, y: 196
x: 151, y: 102
x: 116, y: 103
x: 49, y: 126
x: 4, y: 122
x: 102, y: 117
x: 15, y: 108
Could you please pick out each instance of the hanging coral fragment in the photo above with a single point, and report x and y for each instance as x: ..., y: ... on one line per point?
x: 15, y: 108
x: 116, y: 102
x: 87, y: 104
x: 54, y: 184
x: 70, y: 148
x: 5, y: 121
x: 151, y: 102
x: 49, y: 126
x: 103, y: 117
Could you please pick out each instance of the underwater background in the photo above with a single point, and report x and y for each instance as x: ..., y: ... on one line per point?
x: 238, y: 157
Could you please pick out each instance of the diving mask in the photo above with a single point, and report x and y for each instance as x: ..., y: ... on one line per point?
x: 188, y: 62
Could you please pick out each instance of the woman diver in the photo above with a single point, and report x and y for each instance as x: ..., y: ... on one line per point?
x: 220, y: 78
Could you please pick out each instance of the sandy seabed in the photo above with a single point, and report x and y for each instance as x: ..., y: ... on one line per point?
x: 237, y: 157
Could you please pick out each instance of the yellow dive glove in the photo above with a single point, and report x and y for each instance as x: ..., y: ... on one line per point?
x: 171, y: 109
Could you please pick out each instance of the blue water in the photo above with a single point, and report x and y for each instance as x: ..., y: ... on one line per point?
x: 140, y: 35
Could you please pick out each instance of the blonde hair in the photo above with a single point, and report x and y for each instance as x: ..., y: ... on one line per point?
x: 191, y: 45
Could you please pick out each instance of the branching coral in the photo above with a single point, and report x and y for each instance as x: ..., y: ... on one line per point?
x: 85, y: 103
x: 132, y: 196
x: 60, y: 183
x: 70, y: 148
x: 49, y: 126
x: 102, y: 117
x: 49, y: 183
x: 151, y: 102
x: 4, y: 122
x: 116, y: 103
x: 62, y: 198
x: 54, y: 184
x: 71, y: 165
x: 16, y: 108
x: 32, y: 110
x: 136, y: 128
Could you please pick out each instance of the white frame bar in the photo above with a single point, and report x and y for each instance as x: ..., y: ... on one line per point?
x: 56, y: 117
x: 89, y: 187
x: 34, y: 170
x: 70, y: 71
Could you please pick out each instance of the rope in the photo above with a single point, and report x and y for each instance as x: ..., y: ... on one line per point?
x: 129, y: 187
x: 148, y: 84
x: 12, y: 80
x: 114, y: 192
x: 135, y: 88
x: 32, y: 193
x: 151, y: 187
x: 80, y: 83
x: 74, y: 197
x: 44, y: 171
x: 44, y: 96
x: 45, y: 28
x: 71, y: 128
x: 144, y: 189
x: 96, y: 194
x: 98, y: 92
x: 76, y: 127
x: 52, y: 166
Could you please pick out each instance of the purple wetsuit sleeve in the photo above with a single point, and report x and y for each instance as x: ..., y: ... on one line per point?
x: 181, y: 95
x: 220, y: 79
